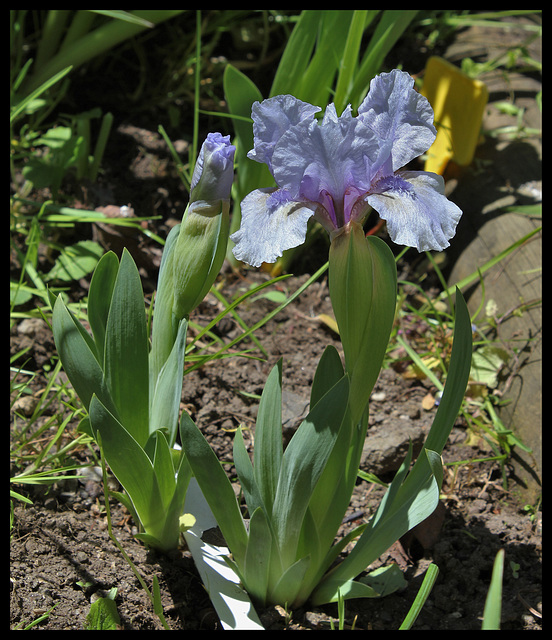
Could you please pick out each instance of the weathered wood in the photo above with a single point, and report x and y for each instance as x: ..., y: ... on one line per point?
x: 515, y: 287
x: 507, y: 173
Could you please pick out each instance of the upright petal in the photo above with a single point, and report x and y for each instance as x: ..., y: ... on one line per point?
x: 416, y: 210
x: 271, y: 119
x: 400, y: 117
x: 322, y: 162
x: 270, y: 224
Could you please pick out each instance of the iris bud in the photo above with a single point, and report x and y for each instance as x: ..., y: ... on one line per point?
x: 202, y: 241
x: 214, y: 170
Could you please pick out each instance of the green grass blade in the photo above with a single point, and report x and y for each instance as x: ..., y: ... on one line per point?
x: 229, y: 309
x: 101, y: 39
x: 158, y: 603
x: 297, y: 53
x: 317, y: 81
x: 377, y: 584
x: 389, y: 29
x: 264, y: 320
x: 349, y: 59
x: 22, y: 104
x: 493, y: 603
x: 421, y: 597
x: 476, y: 275
x: 99, y: 148
x: 457, y: 378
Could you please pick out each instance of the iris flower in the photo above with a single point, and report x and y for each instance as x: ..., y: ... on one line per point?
x: 340, y: 167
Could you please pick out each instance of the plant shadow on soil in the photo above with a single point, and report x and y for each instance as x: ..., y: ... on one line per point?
x: 62, y: 557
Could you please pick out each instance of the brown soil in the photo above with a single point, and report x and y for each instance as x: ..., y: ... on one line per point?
x: 61, y: 554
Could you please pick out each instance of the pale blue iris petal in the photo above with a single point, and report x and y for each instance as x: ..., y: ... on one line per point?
x: 270, y: 224
x: 324, y: 158
x: 416, y: 210
x: 400, y: 117
x: 271, y: 119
